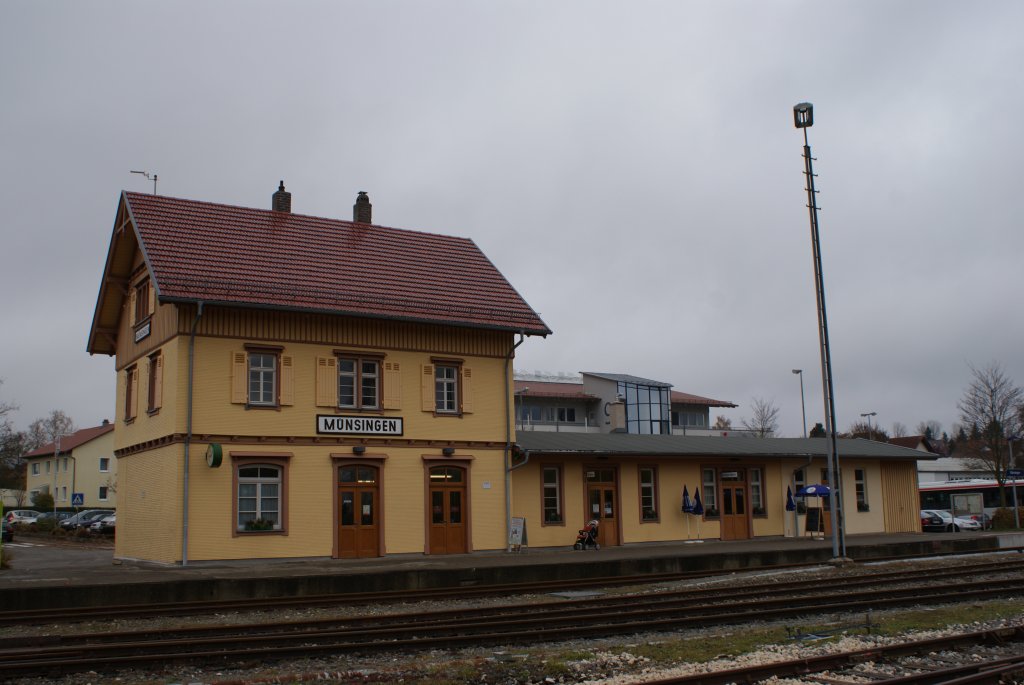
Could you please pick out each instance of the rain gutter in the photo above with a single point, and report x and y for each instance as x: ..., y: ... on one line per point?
x: 188, y: 435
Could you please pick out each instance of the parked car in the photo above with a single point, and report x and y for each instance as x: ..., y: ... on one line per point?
x: 8, y: 534
x: 57, y: 516
x: 104, y: 526
x: 949, y: 522
x: 932, y: 523
x: 84, y: 518
x: 984, y: 519
x: 21, y: 516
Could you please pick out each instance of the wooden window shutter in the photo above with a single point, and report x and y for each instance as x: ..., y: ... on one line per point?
x: 428, y: 399
x: 131, y: 306
x: 158, y: 381
x: 392, y: 386
x: 122, y: 388
x: 326, y: 382
x: 133, y: 404
x: 152, y: 297
x: 467, y: 390
x: 287, y: 380
x: 239, y: 378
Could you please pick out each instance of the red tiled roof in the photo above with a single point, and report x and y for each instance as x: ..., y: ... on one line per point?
x: 687, y: 398
x: 550, y: 389
x: 70, y: 442
x: 252, y: 257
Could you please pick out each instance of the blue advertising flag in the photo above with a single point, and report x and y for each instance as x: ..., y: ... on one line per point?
x: 816, y: 490
x: 687, y: 504
x: 790, y: 502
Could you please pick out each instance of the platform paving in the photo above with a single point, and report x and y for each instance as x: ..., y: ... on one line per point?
x: 98, y: 579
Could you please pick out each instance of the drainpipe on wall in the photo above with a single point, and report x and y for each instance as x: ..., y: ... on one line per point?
x: 188, y: 435
x: 508, y: 437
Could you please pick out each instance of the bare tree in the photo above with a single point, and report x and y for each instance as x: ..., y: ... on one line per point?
x: 930, y: 429
x: 899, y: 430
x: 991, y: 407
x: 765, y: 422
x: 47, y: 430
x: 861, y: 429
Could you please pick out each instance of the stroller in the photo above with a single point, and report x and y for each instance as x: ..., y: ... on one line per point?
x: 588, y: 536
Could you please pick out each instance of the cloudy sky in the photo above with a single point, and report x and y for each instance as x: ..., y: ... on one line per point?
x: 632, y: 168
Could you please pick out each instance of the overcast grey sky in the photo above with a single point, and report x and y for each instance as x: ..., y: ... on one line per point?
x: 632, y: 168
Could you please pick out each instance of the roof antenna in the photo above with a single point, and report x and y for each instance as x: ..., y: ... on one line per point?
x: 146, y: 174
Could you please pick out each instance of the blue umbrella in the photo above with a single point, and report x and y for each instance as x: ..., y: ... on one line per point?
x: 687, y: 504
x: 698, y: 508
x: 790, y: 503
x: 816, y: 490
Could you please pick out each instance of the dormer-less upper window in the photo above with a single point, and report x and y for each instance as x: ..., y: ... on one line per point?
x: 142, y: 311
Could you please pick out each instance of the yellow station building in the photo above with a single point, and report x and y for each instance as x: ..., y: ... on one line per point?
x: 294, y: 386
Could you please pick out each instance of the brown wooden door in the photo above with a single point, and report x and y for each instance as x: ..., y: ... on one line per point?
x: 734, y: 512
x: 358, y: 512
x: 602, y: 504
x: 447, y: 500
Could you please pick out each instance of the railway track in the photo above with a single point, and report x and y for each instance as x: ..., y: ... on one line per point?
x: 67, y: 615
x: 515, y: 624
x: 990, y: 656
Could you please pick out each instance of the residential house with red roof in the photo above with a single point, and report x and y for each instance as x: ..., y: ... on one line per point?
x: 296, y: 386
x: 82, y: 462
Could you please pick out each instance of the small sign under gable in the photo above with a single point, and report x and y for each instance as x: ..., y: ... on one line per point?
x: 359, y: 425
x: 142, y: 332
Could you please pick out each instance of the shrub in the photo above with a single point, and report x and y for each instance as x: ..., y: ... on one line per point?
x: 1002, y: 519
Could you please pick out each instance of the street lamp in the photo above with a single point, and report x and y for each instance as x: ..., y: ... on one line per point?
x: 869, y: 415
x: 803, y: 409
x: 803, y: 118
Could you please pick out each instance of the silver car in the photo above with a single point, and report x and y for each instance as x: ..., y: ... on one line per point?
x: 955, y: 524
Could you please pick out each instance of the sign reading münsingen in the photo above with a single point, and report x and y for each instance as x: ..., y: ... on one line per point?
x: 359, y: 425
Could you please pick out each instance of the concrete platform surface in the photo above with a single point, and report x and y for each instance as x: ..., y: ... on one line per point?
x: 64, y: 577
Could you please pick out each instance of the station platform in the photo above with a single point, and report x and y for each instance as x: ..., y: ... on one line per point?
x: 99, y: 580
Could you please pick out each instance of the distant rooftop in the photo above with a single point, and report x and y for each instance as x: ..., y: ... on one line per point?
x: 626, y: 378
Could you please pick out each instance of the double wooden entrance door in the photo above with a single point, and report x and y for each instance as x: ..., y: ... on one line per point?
x: 602, y: 504
x: 735, y: 509
x: 447, y: 501
x: 358, y: 512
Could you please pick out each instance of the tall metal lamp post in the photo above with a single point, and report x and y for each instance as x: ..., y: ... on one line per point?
x: 868, y: 416
x: 803, y: 117
x: 803, y: 408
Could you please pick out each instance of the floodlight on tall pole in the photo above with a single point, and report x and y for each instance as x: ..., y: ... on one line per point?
x: 803, y: 117
x: 148, y: 178
x: 868, y: 415
x: 803, y: 407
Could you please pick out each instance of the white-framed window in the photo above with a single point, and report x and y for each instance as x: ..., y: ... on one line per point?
x: 104, y: 464
x: 358, y: 383
x: 263, y: 378
x: 47, y: 465
x: 103, y: 493
x: 64, y: 493
x: 799, y: 481
x: 35, y: 468
x: 648, y: 493
x: 710, y: 488
x: 259, y: 497
x: 65, y: 464
x: 552, y: 494
x: 860, y: 475
x: 446, y: 388
x: 756, y: 493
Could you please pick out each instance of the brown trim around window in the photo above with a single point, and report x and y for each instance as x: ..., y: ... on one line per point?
x: 357, y: 390
x: 142, y: 312
x: 457, y: 365
x: 654, y: 493
x: 281, y: 460
x: 153, y: 402
x: 561, y: 494
x: 274, y: 350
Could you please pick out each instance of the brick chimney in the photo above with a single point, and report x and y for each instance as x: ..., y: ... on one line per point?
x: 282, y: 200
x: 362, y: 210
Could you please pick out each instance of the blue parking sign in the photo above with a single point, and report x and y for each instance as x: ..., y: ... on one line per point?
x: 77, y: 499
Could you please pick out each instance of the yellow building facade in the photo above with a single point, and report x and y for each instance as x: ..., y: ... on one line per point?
x: 81, y: 463
x: 266, y: 430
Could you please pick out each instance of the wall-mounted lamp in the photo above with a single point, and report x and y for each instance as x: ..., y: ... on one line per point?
x: 359, y: 449
x: 448, y: 451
